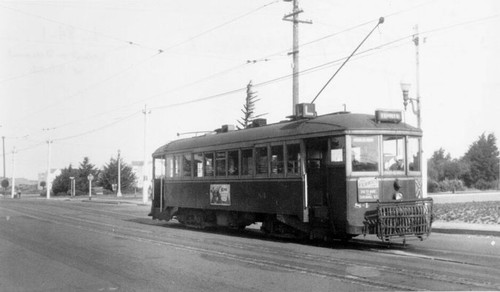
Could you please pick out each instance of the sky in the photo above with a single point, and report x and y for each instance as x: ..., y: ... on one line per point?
x: 81, y: 73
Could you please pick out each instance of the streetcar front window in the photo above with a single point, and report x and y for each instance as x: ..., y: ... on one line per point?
x: 394, y: 153
x: 414, y: 154
x: 364, y: 153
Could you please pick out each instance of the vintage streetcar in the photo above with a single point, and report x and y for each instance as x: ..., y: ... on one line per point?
x: 331, y: 176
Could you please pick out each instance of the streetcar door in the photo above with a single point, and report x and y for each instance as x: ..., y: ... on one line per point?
x: 316, y: 154
x: 336, y: 183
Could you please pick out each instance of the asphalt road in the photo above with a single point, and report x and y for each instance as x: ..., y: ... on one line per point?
x: 72, y: 245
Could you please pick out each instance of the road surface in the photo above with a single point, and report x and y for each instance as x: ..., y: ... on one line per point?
x: 76, y: 245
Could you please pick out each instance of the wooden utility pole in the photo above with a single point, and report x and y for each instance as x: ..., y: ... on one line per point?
x: 293, y: 17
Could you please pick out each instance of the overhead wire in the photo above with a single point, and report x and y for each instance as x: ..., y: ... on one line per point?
x: 90, y: 87
x: 221, y: 25
x: 52, y: 67
x: 309, y: 70
x: 77, y: 27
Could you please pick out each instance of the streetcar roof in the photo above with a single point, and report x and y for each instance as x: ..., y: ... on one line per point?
x: 329, y: 124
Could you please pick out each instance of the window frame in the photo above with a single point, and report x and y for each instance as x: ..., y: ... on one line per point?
x: 270, y: 155
x: 419, y: 139
x: 404, y: 152
x: 348, y: 157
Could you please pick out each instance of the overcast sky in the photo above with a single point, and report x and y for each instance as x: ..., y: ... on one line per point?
x: 79, y: 73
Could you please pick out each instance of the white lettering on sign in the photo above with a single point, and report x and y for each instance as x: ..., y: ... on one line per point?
x: 363, y: 139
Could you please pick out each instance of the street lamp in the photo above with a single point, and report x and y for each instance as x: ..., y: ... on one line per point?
x: 405, y: 87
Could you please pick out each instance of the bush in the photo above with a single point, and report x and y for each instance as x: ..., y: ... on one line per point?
x: 432, y: 186
x: 451, y: 185
x: 481, y: 184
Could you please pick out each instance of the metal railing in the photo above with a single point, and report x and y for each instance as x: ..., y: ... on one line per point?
x: 400, y: 219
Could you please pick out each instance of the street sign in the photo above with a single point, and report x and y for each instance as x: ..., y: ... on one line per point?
x: 90, y: 177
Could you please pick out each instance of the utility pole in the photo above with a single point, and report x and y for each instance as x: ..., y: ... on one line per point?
x: 3, y: 143
x: 119, y: 193
x: 423, y: 160
x: 295, y: 50
x: 13, y: 187
x: 47, y: 184
x: 145, y: 182
x: 416, y: 41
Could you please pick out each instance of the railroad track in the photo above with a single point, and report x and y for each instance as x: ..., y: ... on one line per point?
x: 365, y: 269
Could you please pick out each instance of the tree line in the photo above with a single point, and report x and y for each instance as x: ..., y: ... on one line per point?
x: 478, y: 168
x: 105, y: 177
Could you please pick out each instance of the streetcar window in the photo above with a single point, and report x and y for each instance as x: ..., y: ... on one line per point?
x: 177, y: 164
x: 261, y: 160
x: 293, y: 158
x: 220, y: 163
x: 159, y: 165
x: 414, y: 153
x: 209, y: 164
x: 277, y: 160
x: 364, y: 153
x: 337, y: 147
x: 198, y: 164
x: 394, y: 153
x: 170, y: 165
x: 186, y: 165
x: 247, y: 162
x: 232, y: 163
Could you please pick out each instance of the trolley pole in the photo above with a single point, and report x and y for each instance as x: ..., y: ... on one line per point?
x: 47, y: 178
x: 119, y: 192
x: 145, y: 183
x: 295, y: 49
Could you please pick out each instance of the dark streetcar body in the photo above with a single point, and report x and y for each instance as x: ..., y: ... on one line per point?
x: 331, y: 176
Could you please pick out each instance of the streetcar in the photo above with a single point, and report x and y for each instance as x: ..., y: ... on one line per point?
x: 336, y: 175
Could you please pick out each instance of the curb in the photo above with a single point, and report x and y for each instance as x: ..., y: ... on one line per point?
x: 115, y: 202
x: 466, y: 231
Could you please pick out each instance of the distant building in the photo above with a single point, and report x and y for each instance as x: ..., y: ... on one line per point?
x: 138, y: 170
x: 42, y: 176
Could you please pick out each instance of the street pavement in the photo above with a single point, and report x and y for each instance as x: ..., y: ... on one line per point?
x: 437, y: 226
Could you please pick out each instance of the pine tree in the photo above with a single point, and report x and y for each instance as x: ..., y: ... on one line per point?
x: 86, y: 168
x: 109, y: 175
x: 248, y: 108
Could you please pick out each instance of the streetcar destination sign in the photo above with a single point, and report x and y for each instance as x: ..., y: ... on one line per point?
x: 388, y: 116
